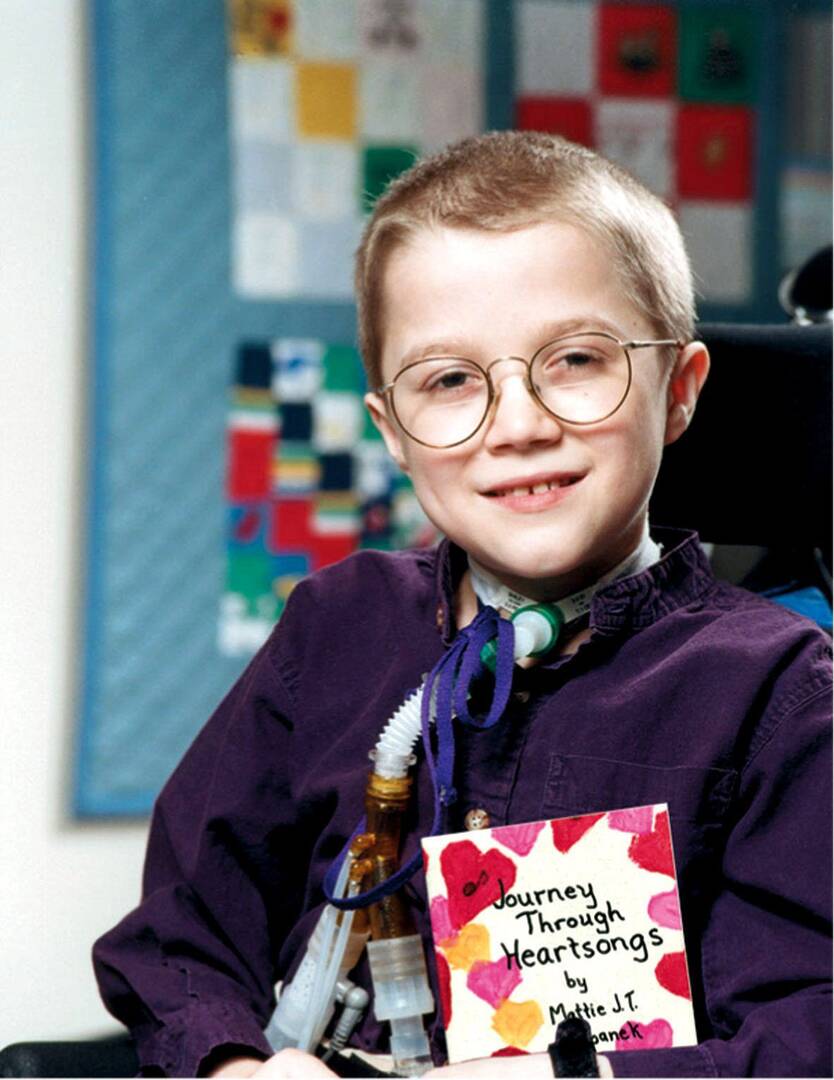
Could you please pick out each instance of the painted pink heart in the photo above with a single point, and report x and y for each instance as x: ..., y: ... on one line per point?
x: 493, y: 983
x: 566, y: 831
x: 653, y: 851
x: 441, y: 923
x: 472, y: 879
x: 665, y: 910
x: 655, y: 1036
x: 518, y: 838
x: 637, y: 820
x: 671, y: 974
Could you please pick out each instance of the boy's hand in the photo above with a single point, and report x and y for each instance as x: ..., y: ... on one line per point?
x: 285, y: 1065
x: 523, y: 1067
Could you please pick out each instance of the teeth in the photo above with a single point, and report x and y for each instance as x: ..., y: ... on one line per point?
x: 539, y: 489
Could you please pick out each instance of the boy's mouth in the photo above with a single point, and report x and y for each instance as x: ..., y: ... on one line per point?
x: 534, y: 485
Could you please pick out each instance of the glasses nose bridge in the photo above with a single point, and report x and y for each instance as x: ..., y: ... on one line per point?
x: 502, y: 360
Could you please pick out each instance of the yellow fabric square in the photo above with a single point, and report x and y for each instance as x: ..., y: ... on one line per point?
x: 326, y: 100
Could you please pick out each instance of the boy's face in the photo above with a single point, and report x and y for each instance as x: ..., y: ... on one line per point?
x: 488, y: 295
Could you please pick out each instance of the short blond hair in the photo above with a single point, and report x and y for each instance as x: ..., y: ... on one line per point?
x: 507, y: 180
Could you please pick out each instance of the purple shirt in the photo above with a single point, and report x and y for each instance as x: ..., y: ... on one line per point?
x: 689, y: 691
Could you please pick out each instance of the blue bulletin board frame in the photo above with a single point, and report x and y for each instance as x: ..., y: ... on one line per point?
x: 165, y: 325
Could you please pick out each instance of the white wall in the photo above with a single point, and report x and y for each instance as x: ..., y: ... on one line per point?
x: 61, y: 884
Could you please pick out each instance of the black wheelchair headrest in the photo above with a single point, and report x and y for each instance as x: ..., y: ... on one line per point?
x: 755, y: 465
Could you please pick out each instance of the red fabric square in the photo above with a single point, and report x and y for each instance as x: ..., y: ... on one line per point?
x: 570, y: 117
x: 250, y: 460
x: 289, y: 527
x: 715, y: 152
x: 637, y: 50
x: 329, y: 549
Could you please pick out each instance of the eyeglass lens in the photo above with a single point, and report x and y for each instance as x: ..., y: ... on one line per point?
x: 442, y: 401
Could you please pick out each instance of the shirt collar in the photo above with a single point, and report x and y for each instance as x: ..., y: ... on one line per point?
x: 682, y: 576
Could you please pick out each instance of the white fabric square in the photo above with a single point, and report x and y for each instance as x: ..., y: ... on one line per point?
x: 325, y: 179
x: 453, y: 30
x: 337, y: 421
x: 639, y: 135
x: 260, y: 99
x: 264, y: 256
x: 452, y: 104
x: 261, y: 177
x: 297, y: 369
x: 389, y: 99
x: 555, y: 47
x: 718, y: 238
x: 326, y: 30
x: 326, y: 257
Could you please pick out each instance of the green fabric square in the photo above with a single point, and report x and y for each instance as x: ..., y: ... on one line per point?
x: 343, y: 369
x: 248, y: 575
x: 381, y: 165
x: 719, y: 54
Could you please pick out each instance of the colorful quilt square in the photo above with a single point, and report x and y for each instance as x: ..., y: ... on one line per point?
x: 569, y: 117
x: 248, y: 525
x: 296, y: 421
x: 376, y: 518
x: 296, y: 470
x: 326, y: 100
x: 287, y: 570
x: 718, y: 54
x: 336, y: 472
x: 390, y: 26
x: 637, y: 47
x: 254, y: 366
x: 298, y: 368
x: 260, y: 99
x: 337, y: 423
x: 290, y: 527
x: 555, y: 48
x: 326, y: 550
x: 250, y: 458
x: 337, y: 513
x: 260, y: 27
x: 374, y: 469
x: 248, y: 575
x: 718, y: 238
x: 715, y: 152
x: 343, y: 369
x: 381, y: 164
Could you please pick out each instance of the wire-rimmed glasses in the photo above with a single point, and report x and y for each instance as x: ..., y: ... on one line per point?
x: 441, y: 401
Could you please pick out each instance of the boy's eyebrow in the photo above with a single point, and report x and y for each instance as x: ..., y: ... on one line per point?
x: 453, y: 346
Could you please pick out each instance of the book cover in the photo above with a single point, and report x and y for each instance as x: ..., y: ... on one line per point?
x: 576, y: 916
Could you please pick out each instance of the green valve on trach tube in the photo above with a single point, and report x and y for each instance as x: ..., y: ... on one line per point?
x: 537, y: 628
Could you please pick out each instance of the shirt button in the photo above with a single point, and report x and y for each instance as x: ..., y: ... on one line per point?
x: 522, y: 695
x: 476, y: 819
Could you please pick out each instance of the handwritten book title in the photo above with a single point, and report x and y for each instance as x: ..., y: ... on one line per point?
x: 572, y: 917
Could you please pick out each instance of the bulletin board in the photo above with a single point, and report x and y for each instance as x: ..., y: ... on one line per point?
x: 236, y: 148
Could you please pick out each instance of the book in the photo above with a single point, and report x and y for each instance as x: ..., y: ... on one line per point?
x: 576, y: 916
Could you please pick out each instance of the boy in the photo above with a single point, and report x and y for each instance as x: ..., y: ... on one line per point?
x: 560, y: 290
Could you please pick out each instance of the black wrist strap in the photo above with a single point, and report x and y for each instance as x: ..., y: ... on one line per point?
x: 572, y: 1050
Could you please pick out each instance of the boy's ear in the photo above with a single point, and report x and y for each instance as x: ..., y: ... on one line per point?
x: 375, y: 405
x: 688, y: 377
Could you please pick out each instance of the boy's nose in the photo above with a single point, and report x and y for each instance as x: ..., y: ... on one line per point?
x: 517, y: 418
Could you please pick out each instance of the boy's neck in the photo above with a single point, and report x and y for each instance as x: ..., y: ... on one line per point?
x: 643, y: 555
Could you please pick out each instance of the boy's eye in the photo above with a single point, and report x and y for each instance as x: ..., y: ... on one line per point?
x: 451, y: 379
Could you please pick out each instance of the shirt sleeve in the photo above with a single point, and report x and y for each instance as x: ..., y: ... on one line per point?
x: 192, y: 968
x: 766, y: 948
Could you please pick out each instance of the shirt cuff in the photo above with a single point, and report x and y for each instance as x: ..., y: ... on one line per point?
x: 187, y: 1037
x: 676, y: 1061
